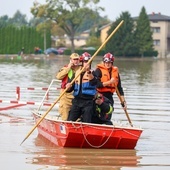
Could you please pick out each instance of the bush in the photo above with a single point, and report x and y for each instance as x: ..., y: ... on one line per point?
x: 150, y: 54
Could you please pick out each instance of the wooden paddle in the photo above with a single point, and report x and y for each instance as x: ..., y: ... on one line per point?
x: 127, y: 115
x: 72, y: 81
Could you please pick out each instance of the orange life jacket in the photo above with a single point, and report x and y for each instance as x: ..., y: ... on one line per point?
x: 106, y: 76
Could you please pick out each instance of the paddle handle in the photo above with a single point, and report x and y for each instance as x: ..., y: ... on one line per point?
x: 127, y: 115
x: 107, y: 39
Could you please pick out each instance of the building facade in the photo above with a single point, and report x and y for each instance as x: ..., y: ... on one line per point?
x: 160, y: 26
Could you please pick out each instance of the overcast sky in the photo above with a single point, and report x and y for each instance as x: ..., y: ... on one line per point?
x: 113, y: 8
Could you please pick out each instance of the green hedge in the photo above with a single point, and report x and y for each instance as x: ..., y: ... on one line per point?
x: 13, y: 39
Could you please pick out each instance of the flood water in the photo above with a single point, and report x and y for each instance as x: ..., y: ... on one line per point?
x: 147, y: 91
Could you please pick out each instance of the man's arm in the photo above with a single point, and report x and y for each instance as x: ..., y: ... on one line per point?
x: 62, y: 73
x: 98, y: 75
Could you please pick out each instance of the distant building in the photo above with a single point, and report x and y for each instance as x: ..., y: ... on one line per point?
x: 103, y: 32
x: 79, y: 41
x: 160, y: 25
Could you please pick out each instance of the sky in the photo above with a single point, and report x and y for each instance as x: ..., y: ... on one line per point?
x: 113, y: 8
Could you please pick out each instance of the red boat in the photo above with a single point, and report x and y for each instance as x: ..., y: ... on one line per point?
x: 87, y: 135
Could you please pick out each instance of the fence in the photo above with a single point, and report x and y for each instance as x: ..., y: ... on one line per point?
x: 22, y: 96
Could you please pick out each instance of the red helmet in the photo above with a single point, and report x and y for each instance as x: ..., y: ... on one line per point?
x: 85, y: 56
x: 108, y: 57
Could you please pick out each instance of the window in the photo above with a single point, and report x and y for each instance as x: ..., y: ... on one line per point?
x: 155, y: 29
x: 156, y: 42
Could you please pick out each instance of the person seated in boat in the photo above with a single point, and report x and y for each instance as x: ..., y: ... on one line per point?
x: 109, y: 80
x: 102, y: 109
x: 65, y: 74
x: 84, y: 90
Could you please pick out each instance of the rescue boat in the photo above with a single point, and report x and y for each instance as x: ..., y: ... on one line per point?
x: 87, y: 135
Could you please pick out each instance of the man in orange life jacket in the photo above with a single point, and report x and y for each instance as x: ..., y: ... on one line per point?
x: 108, y: 77
x: 84, y: 91
x: 66, y: 74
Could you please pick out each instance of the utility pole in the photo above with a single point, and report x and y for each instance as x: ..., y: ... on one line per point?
x: 45, y: 43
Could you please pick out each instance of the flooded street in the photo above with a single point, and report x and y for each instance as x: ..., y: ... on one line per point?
x: 147, y: 92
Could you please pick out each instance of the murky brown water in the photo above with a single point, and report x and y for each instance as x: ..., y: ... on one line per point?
x: 147, y: 91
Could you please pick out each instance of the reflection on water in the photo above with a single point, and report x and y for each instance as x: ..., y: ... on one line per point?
x: 50, y: 155
x: 147, y: 92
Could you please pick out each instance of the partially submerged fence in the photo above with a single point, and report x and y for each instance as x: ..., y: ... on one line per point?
x: 22, y: 96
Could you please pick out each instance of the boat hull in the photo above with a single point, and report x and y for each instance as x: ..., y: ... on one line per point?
x: 85, y: 135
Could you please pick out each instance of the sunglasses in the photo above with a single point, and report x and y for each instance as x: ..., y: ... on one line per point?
x: 107, y: 60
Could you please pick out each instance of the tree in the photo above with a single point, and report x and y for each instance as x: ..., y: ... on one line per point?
x: 68, y: 15
x: 43, y: 28
x: 4, y: 20
x: 93, y: 41
x: 143, y: 33
x: 18, y: 19
x: 123, y: 42
x: 91, y: 23
x: 33, y: 22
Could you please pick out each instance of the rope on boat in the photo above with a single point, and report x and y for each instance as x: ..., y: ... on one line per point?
x: 113, y: 129
x: 81, y: 126
x: 131, y: 133
x: 94, y: 145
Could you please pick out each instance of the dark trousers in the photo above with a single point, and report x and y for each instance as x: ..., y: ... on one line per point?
x: 96, y: 119
x: 81, y: 108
